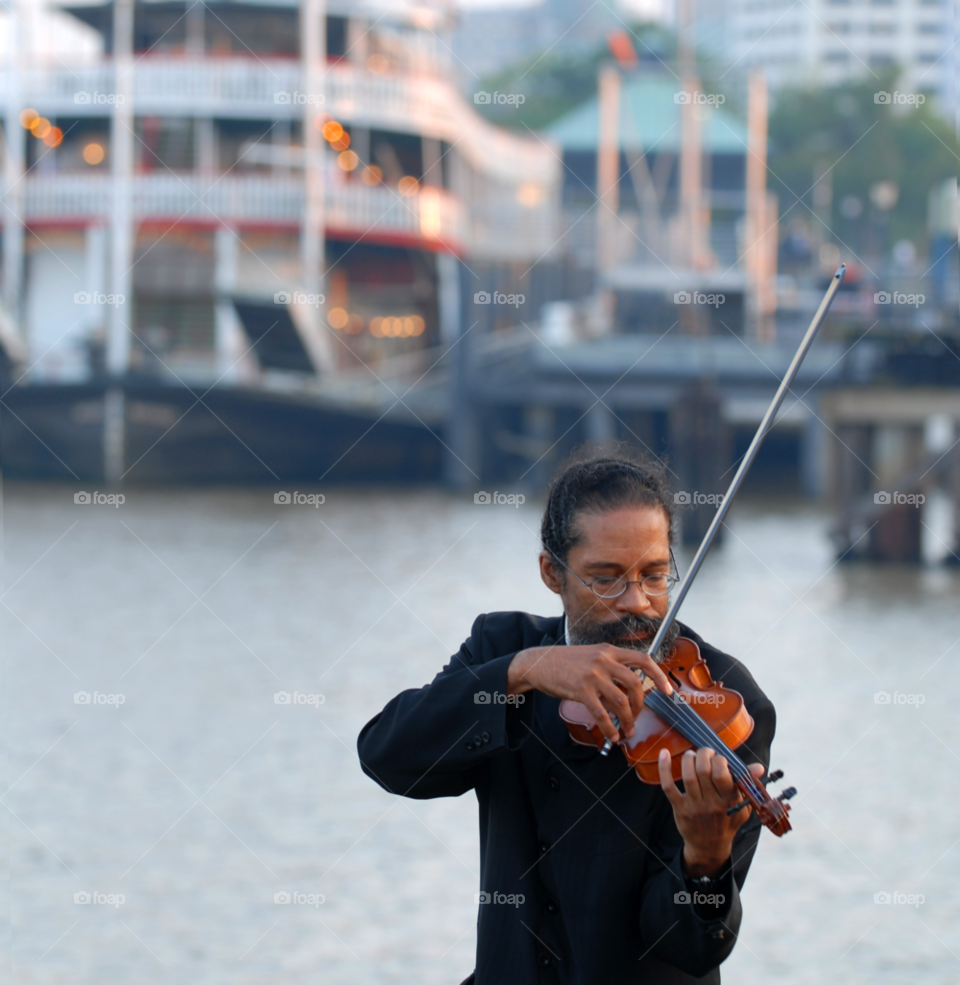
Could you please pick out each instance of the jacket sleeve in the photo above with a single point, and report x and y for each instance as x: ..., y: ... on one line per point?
x: 697, y: 938
x: 435, y: 741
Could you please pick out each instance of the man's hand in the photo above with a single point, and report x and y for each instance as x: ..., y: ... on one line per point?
x: 701, y: 810
x: 597, y: 676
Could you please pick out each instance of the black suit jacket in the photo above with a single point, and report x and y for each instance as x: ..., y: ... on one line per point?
x: 593, y: 852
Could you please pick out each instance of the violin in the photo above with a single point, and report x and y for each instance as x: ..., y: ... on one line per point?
x: 702, y: 712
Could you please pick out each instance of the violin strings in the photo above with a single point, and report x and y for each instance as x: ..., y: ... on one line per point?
x: 705, y: 736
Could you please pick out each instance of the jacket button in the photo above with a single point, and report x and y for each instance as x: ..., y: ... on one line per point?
x: 476, y: 742
x: 468, y: 746
x: 544, y: 960
x: 544, y: 848
x: 552, y: 907
x: 485, y: 736
x: 554, y: 783
x: 718, y: 934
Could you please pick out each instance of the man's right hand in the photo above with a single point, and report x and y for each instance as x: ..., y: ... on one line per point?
x: 598, y: 676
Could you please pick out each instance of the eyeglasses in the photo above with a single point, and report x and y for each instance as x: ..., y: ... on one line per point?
x: 606, y: 587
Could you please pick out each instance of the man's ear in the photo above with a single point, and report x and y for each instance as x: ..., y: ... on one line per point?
x: 551, y: 573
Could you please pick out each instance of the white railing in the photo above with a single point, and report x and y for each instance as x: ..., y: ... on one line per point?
x: 231, y: 87
x: 353, y: 208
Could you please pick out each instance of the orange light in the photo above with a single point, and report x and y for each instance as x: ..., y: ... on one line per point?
x: 355, y: 325
x: 93, y: 153
x: 371, y: 175
x: 376, y: 327
x: 28, y: 117
x: 348, y: 161
x: 431, y: 219
x: 408, y: 185
x: 332, y: 130
x: 530, y: 196
x: 54, y: 138
x: 413, y: 325
x: 377, y: 64
x: 41, y: 127
x: 341, y: 143
x: 337, y: 318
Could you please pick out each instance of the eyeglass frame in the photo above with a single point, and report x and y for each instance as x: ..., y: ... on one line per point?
x: 674, y: 576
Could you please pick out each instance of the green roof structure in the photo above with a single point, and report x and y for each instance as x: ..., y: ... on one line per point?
x: 649, y: 121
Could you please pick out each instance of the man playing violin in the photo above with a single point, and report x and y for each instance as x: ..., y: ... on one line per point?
x: 622, y: 882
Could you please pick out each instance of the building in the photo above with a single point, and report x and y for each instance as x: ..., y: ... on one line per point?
x: 649, y: 248
x: 825, y: 42
x: 176, y: 206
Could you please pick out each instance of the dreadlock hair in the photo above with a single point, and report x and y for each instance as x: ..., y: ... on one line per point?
x: 595, y: 480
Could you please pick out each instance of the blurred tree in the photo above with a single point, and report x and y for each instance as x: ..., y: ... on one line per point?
x: 861, y: 144
x: 557, y: 81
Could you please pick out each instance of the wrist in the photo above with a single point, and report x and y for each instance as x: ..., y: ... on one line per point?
x: 517, y: 682
x: 696, y: 865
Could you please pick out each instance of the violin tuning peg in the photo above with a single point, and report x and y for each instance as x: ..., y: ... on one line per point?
x: 788, y: 793
x: 774, y: 776
x: 607, y: 746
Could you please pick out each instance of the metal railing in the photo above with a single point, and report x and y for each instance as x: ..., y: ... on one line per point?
x: 430, y: 215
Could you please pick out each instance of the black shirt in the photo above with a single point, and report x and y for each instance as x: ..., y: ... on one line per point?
x: 579, y: 860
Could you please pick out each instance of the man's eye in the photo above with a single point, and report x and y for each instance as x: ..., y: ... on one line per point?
x: 605, y: 582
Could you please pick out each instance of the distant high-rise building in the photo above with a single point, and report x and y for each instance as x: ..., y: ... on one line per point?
x: 829, y: 41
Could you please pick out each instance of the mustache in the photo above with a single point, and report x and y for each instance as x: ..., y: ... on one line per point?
x: 618, y: 632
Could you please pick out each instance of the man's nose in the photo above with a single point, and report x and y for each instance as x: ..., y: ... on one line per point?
x: 634, y: 600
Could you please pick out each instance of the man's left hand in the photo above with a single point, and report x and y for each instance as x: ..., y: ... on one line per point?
x: 700, y: 811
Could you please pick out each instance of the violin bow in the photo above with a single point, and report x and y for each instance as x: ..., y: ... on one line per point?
x: 765, y: 425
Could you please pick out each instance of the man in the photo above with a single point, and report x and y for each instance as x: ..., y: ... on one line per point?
x: 588, y: 876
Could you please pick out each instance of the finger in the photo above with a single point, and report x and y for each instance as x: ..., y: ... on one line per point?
x: 631, y: 685
x: 688, y: 770
x: 721, y: 777
x: 632, y: 658
x: 666, y: 778
x: 600, y: 716
x: 617, y: 700
x: 757, y: 769
x: 704, y: 766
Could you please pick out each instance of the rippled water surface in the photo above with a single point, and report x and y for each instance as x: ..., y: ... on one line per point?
x: 199, y: 798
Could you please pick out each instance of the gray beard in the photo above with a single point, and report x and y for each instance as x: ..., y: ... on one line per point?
x: 618, y: 633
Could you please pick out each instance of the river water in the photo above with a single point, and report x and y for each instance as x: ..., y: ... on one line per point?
x: 197, y: 798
